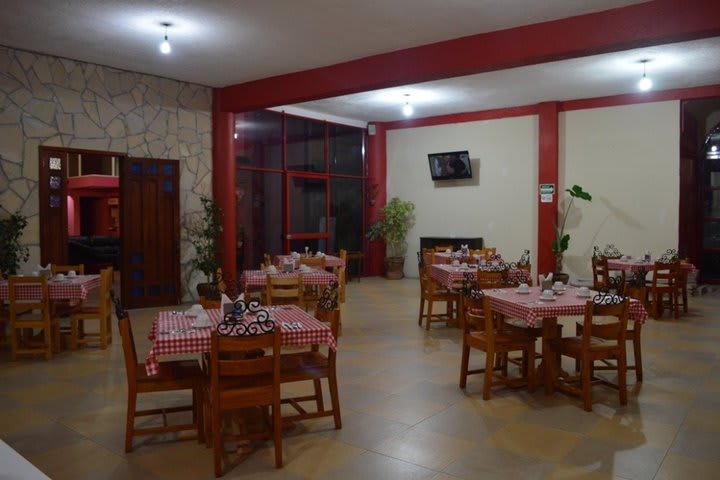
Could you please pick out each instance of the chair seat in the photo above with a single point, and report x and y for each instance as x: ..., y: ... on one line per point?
x: 501, y: 339
x: 303, y: 365
x: 174, y: 374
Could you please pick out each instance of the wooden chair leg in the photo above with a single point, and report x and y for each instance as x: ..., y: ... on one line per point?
x: 586, y: 379
x: 318, y: 395
x: 622, y: 378
x: 429, y: 315
x: 530, y: 373
x: 130, y: 421
x: 464, y: 362
x: 637, y: 353
x: 487, y: 384
x: 335, y: 398
x: 422, y: 309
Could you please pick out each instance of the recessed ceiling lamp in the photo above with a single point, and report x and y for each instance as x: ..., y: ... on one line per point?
x: 407, y: 108
x: 645, y: 83
x: 165, y: 45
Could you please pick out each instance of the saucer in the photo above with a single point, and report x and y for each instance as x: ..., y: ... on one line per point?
x: 546, y: 299
x: 584, y: 296
x: 524, y: 292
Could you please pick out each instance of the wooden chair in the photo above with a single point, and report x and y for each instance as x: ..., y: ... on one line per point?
x: 283, y: 290
x: 78, y: 269
x: 208, y: 304
x: 314, y: 365
x: 602, y: 278
x: 664, y: 288
x: 313, y: 262
x: 239, y: 381
x: 431, y: 292
x: 100, y: 312
x: 340, y: 273
x: 27, y: 314
x: 482, y: 332
x: 598, y: 341
x: 63, y: 308
x: 682, y: 296
x: 173, y: 375
x: 487, y: 279
x: 267, y: 260
x: 444, y: 248
x: 489, y: 252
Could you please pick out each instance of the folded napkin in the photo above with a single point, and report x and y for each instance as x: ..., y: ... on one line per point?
x: 448, y: 251
x: 194, y: 310
x: 45, y: 271
x: 319, y: 254
x: 201, y: 320
x: 304, y: 268
x: 271, y: 269
x: 227, y: 305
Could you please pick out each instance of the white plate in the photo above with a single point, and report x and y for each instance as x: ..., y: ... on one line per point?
x: 522, y: 292
x: 546, y: 299
x: 584, y: 296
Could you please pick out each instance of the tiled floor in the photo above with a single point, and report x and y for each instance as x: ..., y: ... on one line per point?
x: 404, y: 416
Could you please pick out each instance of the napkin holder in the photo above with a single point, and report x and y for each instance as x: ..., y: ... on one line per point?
x: 288, y: 267
x: 227, y: 305
x: 45, y: 271
x: 546, y: 283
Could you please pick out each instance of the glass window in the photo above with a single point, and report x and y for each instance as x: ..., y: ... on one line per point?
x: 346, y: 211
x: 305, y: 145
x: 259, y: 217
x: 308, y: 205
x: 346, y: 149
x: 258, y: 139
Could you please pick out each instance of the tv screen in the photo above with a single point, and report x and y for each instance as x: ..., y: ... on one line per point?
x: 450, y: 165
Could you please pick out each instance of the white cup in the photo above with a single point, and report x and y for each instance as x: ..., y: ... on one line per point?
x: 464, y: 265
x: 523, y: 287
x: 35, y: 273
x: 558, y: 285
x: 584, y: 291
x: 547, y: 294
x: 60, y: 276
x: 72, y: 273
x: 455, y: 263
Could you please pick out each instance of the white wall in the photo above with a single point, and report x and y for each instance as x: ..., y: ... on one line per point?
x: 499, y: 203
x: 627, y: 158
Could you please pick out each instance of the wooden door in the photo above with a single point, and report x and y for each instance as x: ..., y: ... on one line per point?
x: 52, y: 195
x: 150, y: 225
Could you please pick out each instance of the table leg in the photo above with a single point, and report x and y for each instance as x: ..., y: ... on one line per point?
x: 548, y: 367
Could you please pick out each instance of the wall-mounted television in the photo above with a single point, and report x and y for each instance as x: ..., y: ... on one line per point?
x: 450, y: 165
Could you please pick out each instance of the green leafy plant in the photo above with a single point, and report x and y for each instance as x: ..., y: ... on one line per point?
x: 396, y: 219
x: 204, y: 231
x: 562, y: 239
x: 12, y: 252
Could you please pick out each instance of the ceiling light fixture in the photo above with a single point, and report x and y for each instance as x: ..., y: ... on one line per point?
x: 407, y: 108
x: 645, y: 83
x: 165, y: 45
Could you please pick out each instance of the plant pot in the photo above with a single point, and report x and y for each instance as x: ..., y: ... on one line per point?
x: 561, y: 277
x: 208, y: 290
x: 394, y: 268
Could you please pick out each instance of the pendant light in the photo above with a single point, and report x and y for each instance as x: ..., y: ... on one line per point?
x: 645, y: 83
x: 165, y: 45
x: 407, y: 108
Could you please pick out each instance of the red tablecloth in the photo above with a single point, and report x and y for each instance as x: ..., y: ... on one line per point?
x: 330, y: 261
x: 197, y: 340
x: 448, y: 275
x: 529, y: 308
x: 74, y: 289
x: 637, y: 265
x: 258, y: 278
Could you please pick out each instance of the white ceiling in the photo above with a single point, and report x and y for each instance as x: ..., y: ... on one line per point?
x: 226, y: 42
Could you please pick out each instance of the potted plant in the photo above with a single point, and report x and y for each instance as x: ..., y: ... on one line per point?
x: 12, y: 252
x: 396, y: 218
x: 562, y: 239
x: 204, y: 231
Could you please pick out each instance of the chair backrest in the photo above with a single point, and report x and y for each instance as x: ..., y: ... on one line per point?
x: 332, y: 317
x: 490, y: 251
x: 487, y: 279
x: 284, y: 289
x: 105, y: 301
x: 313, y: 262
x: 128, y: 344
x: 267, y: 261
x: 79, y: 268
x: 666, y: 275
x: 343, y: 256
x: 616, y: 329
x: 25, y: 302
x: 444, y: 248
x: 228, y: 362
x: 599, y: 271
x: 208, y: 304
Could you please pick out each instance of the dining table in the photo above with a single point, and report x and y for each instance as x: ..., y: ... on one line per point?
x: 531, y: 307
x: 637, y: 265
x: 448, y: 275
x: 73, y: 289
x: 255, y: 279
x: 331, y: 261
x: 173, y: 333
